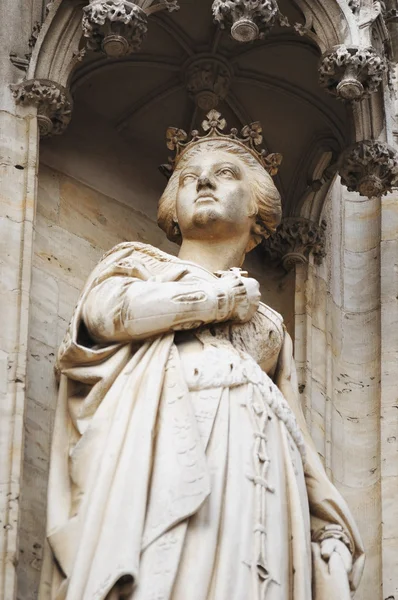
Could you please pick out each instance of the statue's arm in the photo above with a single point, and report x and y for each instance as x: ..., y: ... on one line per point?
x: 122, y: 308
x: 333, y: 529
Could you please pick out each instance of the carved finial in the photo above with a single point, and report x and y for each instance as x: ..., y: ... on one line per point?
x: 293, y: 242
x: 53, y: 102
x: 118, y: 27
x: 208, y: 80
x: 369, y: 167
x: 351, y: 73
x: 213, y: 126
x: 248, y: 20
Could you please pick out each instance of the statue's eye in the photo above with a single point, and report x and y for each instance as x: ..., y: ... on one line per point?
x: 226, y: 172
x: 189, y: 178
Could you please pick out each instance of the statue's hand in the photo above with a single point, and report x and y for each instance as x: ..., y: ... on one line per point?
x: 245, y: 293
x: 332, y: 546
x: 331, y: 562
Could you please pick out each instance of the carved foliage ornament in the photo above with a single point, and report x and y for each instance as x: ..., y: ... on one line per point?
x: 53, y: 102
x: 248, y: 19
x: 293, y: 242
x: 370, y: 168
x: 351, y: 73
x: 213, y: 126
x: 118, y: 27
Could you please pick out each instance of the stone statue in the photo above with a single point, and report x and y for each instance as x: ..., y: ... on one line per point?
x: 182, y: 468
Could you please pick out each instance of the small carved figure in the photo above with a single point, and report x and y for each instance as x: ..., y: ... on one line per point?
x: 182, y: 467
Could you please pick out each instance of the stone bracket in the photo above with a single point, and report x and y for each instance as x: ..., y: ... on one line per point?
x: 248, y: 20
x: 294, y: 240
x: 369, y: 167
x: 53, y: 102
x: 118, y: 27
x: 352, y: 73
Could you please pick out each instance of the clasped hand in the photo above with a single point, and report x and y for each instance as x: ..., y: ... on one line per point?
x: 333, y: 549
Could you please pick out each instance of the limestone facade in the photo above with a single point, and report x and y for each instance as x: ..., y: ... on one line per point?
x: 65, y: 200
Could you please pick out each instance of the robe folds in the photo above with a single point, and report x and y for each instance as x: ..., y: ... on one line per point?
x: 194, y: 486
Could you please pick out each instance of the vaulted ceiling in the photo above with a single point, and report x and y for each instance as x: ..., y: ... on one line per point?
x: 274, y: 81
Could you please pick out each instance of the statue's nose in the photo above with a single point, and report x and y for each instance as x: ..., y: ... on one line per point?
x: 204, y: 181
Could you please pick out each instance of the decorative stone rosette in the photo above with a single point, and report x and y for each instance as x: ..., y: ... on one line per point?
x: 208, y: 81
x: 351, y: 73
x: 248, y: 19
x: 369, y: 167
x: 118, y: 27
x: 293, y: 242
x: 54, y: 104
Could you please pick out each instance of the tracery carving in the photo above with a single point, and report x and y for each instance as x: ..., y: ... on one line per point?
x: 208, y: 81
x: 293, y: 242
x: 352, y: 73
x: 248, y: 20
x: 118, y: 27
x: 369, y: 167
x: 53, y: 102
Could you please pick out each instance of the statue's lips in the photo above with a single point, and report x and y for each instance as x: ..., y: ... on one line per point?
x: 205, y: 198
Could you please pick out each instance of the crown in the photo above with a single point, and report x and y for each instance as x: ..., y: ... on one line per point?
x: 213, y: 126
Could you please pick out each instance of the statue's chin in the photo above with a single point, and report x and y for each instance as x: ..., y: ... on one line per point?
x: 205, y: 215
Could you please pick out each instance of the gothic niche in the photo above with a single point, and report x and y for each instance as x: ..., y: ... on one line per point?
x: 248, y: 20
x: 118, y: 27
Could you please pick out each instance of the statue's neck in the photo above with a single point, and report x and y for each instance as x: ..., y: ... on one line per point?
x: 214, y: 255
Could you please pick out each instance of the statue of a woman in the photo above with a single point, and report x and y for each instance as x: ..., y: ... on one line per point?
x: 182, y: 468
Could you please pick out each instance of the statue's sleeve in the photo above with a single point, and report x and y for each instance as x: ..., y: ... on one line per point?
x: 328, y: 510
x: 129, y: 301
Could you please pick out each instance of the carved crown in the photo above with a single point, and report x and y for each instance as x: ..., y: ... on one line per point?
x: 213, y: 126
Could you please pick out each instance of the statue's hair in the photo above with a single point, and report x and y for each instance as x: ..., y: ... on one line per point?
x: 267, y: 200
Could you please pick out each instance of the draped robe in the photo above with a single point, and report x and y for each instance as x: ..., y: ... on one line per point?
x: 184, y: 478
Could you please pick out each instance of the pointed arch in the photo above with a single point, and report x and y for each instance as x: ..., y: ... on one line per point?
x: 57, y: 49
x: 330, y: 23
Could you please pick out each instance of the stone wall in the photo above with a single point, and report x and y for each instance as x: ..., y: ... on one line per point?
x: 75, y: 225
x: 338, y: 339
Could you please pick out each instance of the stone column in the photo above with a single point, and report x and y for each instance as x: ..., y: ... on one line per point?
x: 389, y: 395
x: 19, y: 147
x: 337, y: 349
x: 355, y: 341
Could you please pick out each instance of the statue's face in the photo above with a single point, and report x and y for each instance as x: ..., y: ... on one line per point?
x: 214, y: 197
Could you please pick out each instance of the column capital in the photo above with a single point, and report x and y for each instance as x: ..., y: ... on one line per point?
x: 351, y: 72
x: 294, y: 240
x: 369, y: 167
x: 53, y: 102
